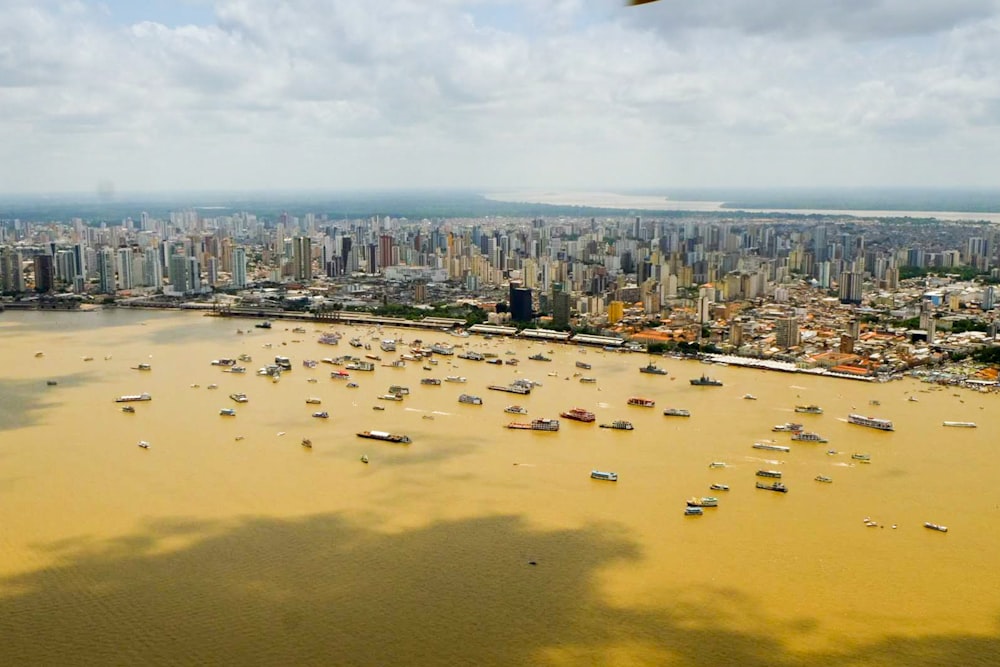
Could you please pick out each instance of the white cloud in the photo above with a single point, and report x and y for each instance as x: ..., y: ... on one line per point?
x: 317, y: 93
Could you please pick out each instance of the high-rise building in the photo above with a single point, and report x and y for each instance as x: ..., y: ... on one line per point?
x: 239, y: 268
x: 850, y: 287
x: 520, y: 303
x: 11, y: 275
x: 786, y: 332
x: 302, y: 258
x: 45, y: 273
x: 125, y: 279
x: 179, y: 278
x: 106, y: 270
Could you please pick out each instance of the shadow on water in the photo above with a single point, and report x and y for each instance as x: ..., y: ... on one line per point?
x: 323, y: 590
x: 22, y: 401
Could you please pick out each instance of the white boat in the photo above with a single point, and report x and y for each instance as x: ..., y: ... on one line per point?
x: 133, y: 397
x: 771, y: 446
x: 227, y: 412
x: 604, y: 475
x: 312, y: 400
x: 693, y: 511
x: 717, y: 464
x: 454, y: 378
x: 823, y: 478
x: 239, y: 397
x: 145, y: 445
x: 871, y: 422
x: 936, y: 526
x: 719, y: 487
x: 961, y: 424
x: 749, y: 397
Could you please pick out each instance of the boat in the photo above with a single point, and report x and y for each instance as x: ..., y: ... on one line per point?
x: 806, y: 436
x: 245, y: 357
x: 237, y: 369
x: 212, y: 386
x: 470, y: 399
x: 321, y: 415
x: 515, y: 410
x: 936, y: 526
x: 454, y: 378
x: 588, y: 380
x: 578, y: 414
x: 787, y: 427
x: 705, y: 381
x: 704, y: 501
x: 378, y: 407
x: 352, y: 385
x: 539, y: 357
x: 284, y: 363
x: 51, y: 383
x: 145, y: 445
x: 693, y: 511
x: 39, y: 354
x: 769, y: 473
x: 223, y: 362
x: 619, y: 425
x: 777, y: 486
x: 360, y: 366
x: 312, y: 400
x: 960, y: 424
x: 719, y: 487
x: 364, y: 458
x: 513, y: 388
x: 127, y: 398
x: 385, y: 436
x: 227, y: 412
x: 824, y: 479
x: 433, y: 382
x: 676, y: 412
x: 584, y: 365
x: 373, y: 357
x: 771, y: 446
x: 339, y: 375
x: 864, y: 458
x: 388, y: 345
x: 399, y: 390
x: 871, y: 422
x: 536, y: 425
x: 809, y: 409
x: 142, y: 367
x: 129, y: 409
x: 263, y: 325
x: 239, y: 398
x: 652, y: 369
x: 390, y: 397
x: 603, y: 475
x: 717, y: 464
x: 306, y: 442
x: 442, y: 348
x: 355, y: 342
x: 641, y: 402
x: 749, y: 397
x: 309, y: 363
x: 471, y: 355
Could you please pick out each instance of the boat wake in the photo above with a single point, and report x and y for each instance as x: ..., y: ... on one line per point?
x: 773, y: 462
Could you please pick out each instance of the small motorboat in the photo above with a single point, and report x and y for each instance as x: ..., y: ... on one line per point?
x: 364, y: 458
x: 321, y: 415
x: 128, y: 409
x: 378, y: 407
x: 144, y: 444
x: 306, y: 442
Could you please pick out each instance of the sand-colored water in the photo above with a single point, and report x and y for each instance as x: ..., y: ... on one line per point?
x: 210, y: 549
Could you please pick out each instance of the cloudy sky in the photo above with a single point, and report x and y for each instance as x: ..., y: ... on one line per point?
x: 167, y: 95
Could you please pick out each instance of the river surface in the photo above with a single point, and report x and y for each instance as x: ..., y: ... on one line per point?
x: 228, y: 542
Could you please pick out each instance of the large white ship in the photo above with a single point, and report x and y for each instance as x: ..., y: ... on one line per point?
x: 872, y: 422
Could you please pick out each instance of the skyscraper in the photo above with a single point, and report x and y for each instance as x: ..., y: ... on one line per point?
x: 239, y: 268
x: 106, y: 270
x: 302, y: 258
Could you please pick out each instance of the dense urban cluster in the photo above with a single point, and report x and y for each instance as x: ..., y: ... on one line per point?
x: 867, y: 298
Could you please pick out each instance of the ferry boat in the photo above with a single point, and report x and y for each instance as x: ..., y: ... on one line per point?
x: 824, y: 479
x: 652, y: 369
x: 399, y: 389
x: 705, y: 501
x: 360, y: 366
x: 693, y: 511
x: 871, y: 422
x: 787, y: 427
x: 676, y: 412
x: 511, y: 388
x: 961, y: 424
x: 128, y: 398
x: 619, y: 425
x: 312, y: 400
x: 328, y: 338
x: 321, y: 415
x: 806, y: 436
x: 129, y: 409
x: 769, y: 473
x: 455, y: 378
x: 777, y: 486
x: 578, y: 414
x: 603, y: 475
x: 705, y: 381
x: 435, y: 382
x: 771, y: 446
x: 239, y: 398
x: 588, y: 380
x: 584, y: 365
x: 388, y: 345
x: 536, y: 425
x: 936, y: 526
x: 641, y: 402
x: 385, y: 436
x: 719, y: 487
x: 515, y: 410
x: 539, y: 357
x: 227, y: 412
x: 470, y: 399
x: 809, y: 409
x: 442, y: 348
x: 864, y: 458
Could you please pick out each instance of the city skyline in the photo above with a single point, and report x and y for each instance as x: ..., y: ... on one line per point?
x: 119, y: 97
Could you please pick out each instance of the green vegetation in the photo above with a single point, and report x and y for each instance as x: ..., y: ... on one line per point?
x: 963, y: 272
x: 987, y: 355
